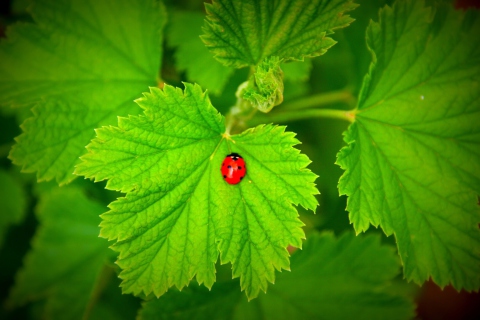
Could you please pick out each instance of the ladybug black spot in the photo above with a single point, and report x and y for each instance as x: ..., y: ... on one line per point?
x: 239, y: 167
x: 224, y: 177
x: 229, y: 167
x: 241, y: 178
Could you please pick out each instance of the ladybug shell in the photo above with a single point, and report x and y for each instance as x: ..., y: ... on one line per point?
x: 233, y: 168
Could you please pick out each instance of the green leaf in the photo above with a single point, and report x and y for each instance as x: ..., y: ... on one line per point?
x: 183, y: 32
x: 195, y: 302
x: 179, y: 213
x: 345, y: 278
x: 111, y: 304
x: 412, y: 164
x: 66, y: 258
x: 13, y: 203
x: 297, y: 71
x: 243, y: 33
x: 265, y: 87
x: 55, y: 137
x: 19, y: 7
x: 81, y: 63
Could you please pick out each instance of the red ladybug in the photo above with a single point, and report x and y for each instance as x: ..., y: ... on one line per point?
x: 233, y: 168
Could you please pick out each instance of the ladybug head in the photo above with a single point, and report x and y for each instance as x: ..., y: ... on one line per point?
x: 234, y: 156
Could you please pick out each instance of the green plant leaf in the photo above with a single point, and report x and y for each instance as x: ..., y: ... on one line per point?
x: 195, y: 302
x: 265, y: 86
x: 13, y: 203
x: 179, y: 213
x: 112, y: 304
x: 81, y: 63
x: 67, y: 257
x: 345, y: 278
x: 297, y: 71
x: 183, y: 32
x: 243, y: 33
x: 412, y: 164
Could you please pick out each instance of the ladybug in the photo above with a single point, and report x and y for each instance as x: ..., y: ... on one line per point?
x: 233, y: 168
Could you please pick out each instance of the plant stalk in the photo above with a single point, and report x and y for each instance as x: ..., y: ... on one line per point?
x: 319, y: 100
x: 288, y: 116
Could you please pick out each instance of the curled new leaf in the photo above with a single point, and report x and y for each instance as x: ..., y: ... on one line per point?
x: 265, y: 87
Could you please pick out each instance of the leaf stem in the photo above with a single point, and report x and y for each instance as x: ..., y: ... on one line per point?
x: 241, y: 116
x: 103, y: 278
x: 241, y: 112
x: 319, y: 100
x: 287, y: 116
